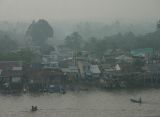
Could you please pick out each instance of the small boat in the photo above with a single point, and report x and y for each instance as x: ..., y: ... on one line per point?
x: 34, y: 108
x: 136, y: 101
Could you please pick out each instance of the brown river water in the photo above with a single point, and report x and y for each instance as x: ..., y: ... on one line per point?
x: 93, y: 103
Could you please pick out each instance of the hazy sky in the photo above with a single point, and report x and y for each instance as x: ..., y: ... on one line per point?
x: 94, y: 10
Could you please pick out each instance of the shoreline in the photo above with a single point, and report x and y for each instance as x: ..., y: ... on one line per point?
x: 78, y: 89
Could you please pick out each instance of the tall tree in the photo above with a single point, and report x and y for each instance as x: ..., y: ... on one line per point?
x: 74, y: 41
x: 40, y: 31
x: 91, y: 44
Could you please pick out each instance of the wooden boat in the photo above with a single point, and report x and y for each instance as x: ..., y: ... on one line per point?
x: 136, y: 101
x: 34, y: 108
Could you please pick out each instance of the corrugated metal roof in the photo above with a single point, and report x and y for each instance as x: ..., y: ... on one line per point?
x: 70, y: 69
x: 142, y: 52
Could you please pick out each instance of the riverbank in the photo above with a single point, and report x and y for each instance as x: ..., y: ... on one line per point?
x: 73, y: 87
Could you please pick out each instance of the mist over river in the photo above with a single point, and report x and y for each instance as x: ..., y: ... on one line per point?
x: 93, y: 103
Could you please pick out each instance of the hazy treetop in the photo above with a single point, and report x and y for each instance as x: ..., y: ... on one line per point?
x: 90, y: 10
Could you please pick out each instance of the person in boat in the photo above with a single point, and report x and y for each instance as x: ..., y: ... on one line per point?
x: 34, y: 108
x: 136, y: 101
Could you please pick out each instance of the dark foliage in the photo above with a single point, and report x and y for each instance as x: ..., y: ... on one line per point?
x: 126, y: 41
x: 40, y: 31
x: 7, y: 44
x: 74, y: 41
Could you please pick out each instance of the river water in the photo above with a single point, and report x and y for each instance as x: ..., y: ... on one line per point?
x: 93, y: 103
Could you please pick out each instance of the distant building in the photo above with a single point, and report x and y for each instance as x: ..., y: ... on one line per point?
x: 50, y: 61
x: 107, y: 68
x: 11, y: 71
x: 93, y: 71
x: 112, y: 56
x: 124, y: 58
x: 41, y: 79
x: 71, y: 72
x: 117, y: 67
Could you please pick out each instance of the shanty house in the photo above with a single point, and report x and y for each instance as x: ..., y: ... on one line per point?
x: 11, y: 71
x: 93, y: 71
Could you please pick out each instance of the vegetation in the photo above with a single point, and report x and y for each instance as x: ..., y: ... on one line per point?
x: 74, y: 41
x: 7, y: 44
x: 128, y: 41
x: 40, y: 31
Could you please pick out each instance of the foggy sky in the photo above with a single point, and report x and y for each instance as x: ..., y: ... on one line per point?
x: 89, y: 10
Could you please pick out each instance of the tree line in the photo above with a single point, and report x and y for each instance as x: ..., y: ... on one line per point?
x: 40, y: 31
x: 127, y: 41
